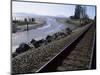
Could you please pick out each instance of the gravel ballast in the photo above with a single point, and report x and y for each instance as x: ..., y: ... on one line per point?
x: 32, y: 60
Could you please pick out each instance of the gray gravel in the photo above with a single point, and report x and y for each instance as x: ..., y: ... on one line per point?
x: 80, y: 57
x: 33, y: 59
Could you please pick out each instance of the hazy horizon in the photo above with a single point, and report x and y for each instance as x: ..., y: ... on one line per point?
x: 48, y: 9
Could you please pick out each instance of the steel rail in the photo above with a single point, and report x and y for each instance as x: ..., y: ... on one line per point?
x: 47, y: 66
x: 93, y: 56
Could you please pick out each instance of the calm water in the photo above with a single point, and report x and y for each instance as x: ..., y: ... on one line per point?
x: 51, y: 27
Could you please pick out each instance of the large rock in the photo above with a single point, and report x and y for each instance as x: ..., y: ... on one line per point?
x: 58, y: 35
x: 62, y: 34
x: 22, y: 48
x: 37, y: 43
x: 55, y: 36
x: 68, y: 30
x: 49, y: 38
x: 33, y: 41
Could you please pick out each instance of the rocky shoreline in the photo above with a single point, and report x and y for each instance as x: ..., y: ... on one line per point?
x: 23, y: 47
x: 34, y: 58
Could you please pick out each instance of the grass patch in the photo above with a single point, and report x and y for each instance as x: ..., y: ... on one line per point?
x: 24, y: 23
x: 74, y: 21
x: 79, y: 22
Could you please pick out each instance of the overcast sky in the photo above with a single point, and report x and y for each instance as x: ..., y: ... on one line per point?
x: 48, y: 9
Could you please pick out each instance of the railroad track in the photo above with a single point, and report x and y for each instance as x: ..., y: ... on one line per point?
x: 61, y: 62
x: 49, y: 60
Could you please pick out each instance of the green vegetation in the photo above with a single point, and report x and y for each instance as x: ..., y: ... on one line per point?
x: 74, y: 21
x: 79, y: 22
x: 20, y: 23
x: 61, y: 20
x: 80, y: 16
